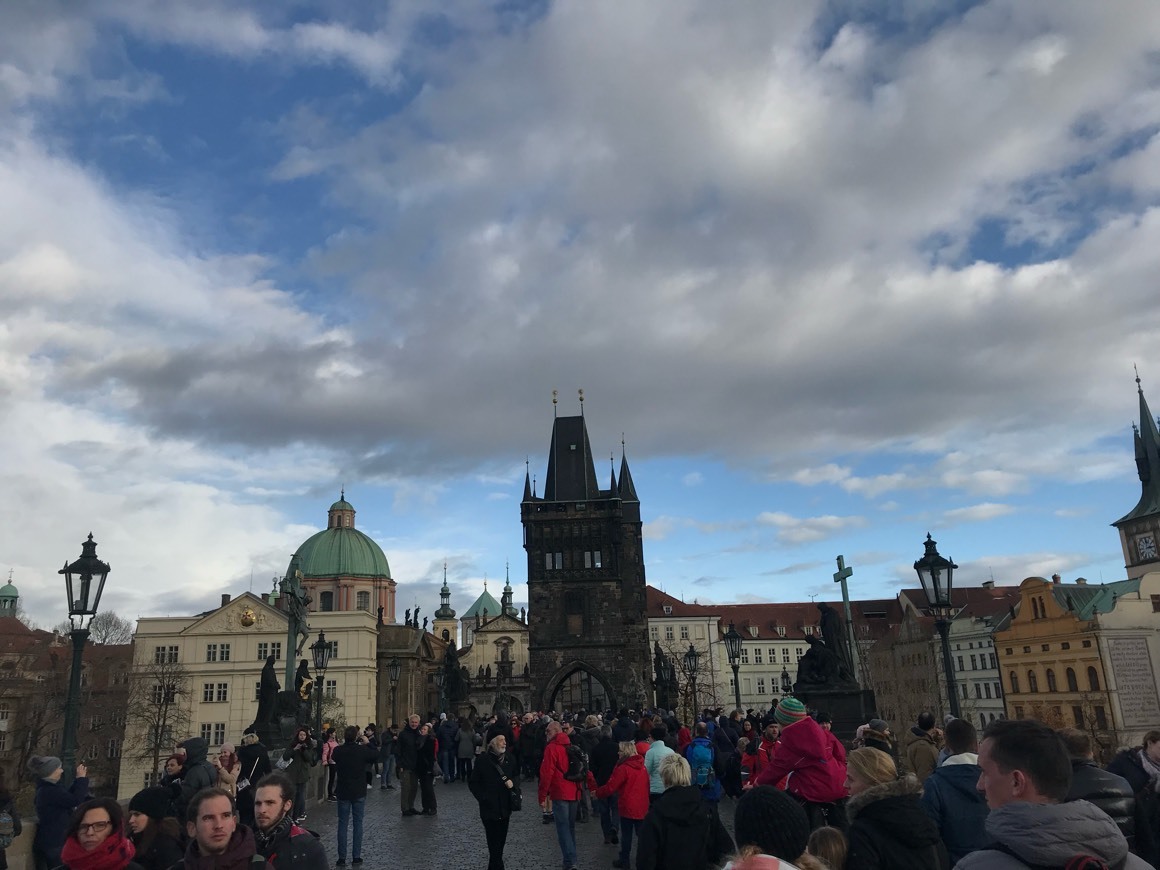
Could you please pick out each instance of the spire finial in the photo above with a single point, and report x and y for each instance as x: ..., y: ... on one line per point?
x: 533, y: 486
x: 342, y: 493
x: 1137, y: 371
x: 507, y: 572
x: 444, y: 572
x: 555, y: 399
x: 581, y: 392
x: 484, y: 582
x: 622, y: 445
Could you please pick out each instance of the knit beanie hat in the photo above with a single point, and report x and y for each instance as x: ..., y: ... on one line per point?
x: 43, y: 766
x: 773, y: 821
x: 153, y: 802
x: 788, y: 711
x: 879, y: 725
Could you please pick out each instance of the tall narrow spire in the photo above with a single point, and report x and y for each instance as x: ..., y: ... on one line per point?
x: 612, y: 470
x: 445, y: 611
x: 527, y: 480
x: 571, y: 470
x: 506, y: 606
x: 627, y: 488
x: 1146, y: 440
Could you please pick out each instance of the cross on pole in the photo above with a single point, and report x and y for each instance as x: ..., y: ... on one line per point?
x: 841, y: 576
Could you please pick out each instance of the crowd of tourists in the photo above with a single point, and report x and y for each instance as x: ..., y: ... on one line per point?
x: 1021, y: 795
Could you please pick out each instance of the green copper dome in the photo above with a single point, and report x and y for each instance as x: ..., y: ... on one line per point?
x: 9, y: 591
x: 484, y: 602
x: 340, y: 550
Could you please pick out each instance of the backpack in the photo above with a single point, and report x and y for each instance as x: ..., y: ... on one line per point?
x: 702, y: 762
x: 9, y: 827
x: 577, y: 764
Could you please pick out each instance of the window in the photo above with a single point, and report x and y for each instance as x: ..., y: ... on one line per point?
x: 1093, y: 679
x: 224, y: 652
x: 1077, y: 716
x: 965, y: 696
x: 558, y: 560
x: 781, y: 631
x: 257, y: 691
x: 668, y: 609
x: 761, y: 685
x: 978, y: 690
x: 1051, y: 687
x: 986, y: 690
x: 654, y: 633
x: 326, y: 602
x: 744, y: 655
x: 998, y: 690
x: 1072, y: 682
x: 974, y: 667
x: 961, y: 668
x: 1045, y: 648
x: 113, y: 749
x: 265, y: 650
x: 4, y: 711
x: 574, y: 611
x: 800, y: 652
x: 331, y: 689
x: 1009, y: 650
x: 223, y: 691
x: 95, y: 722
x: 1156, y: 603
x: 1101, y: 719
x: 684, y: 632
x: 784, y: 656
x: 332, y: 645
x: 994, y: 663
x: 163, y: 655
x: 1032, y: 682
x: 983, y: 719
x: 211, y: 652
x: 1065, y: 645
x: 159, y: 695
x: 362, y: 600
x: 668, y: 632
x: 3, y: 741
x: 219, y: 733
x: 548, y: 561
x: 757, y: 656
x: 808, y: 629
x: 206, y: 731
x: 1087, y: 644
x: 207, y: 693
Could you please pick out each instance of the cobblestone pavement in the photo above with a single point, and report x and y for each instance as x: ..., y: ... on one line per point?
x: 453, y: 838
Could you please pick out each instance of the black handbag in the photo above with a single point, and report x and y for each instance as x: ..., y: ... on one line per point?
x: 517, y: 799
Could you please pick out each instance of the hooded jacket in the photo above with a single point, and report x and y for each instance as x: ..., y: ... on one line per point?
x: 951, y: 798
x: 682, y: 831
x: 602, y: 761
x: 289, y: 847
x: 552, y: 770
x: 629, y: 781
x: 890, y: 831
x: 804, y: 755
x: 54, y: 807
x: 1051, y: 835
x: 921, y: 753
x: 197, y: 774
x: 652, y: 763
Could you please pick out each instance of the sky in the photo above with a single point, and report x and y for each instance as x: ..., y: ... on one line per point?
x: 839, y: 274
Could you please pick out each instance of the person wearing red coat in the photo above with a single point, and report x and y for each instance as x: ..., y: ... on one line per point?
x: 565, y: 793
x: 804, y: 757
x: 629, y: 782
x: 684, y: 738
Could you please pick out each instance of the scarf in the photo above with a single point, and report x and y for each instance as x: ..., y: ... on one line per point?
x: 1150, y: 768
x: 266, y: 839
x: 112, y: 853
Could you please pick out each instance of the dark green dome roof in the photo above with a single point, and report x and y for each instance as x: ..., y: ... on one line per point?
x: 345, y: 552
x: 342, y: 505
x: 9, y: 591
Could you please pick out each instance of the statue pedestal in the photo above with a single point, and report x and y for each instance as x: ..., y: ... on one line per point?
x: 848, y: 708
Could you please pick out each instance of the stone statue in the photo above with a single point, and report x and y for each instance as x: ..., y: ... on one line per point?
x: 821, y: 668
x: 407, y: 617
x: 454, y: 684
x: 487, y: 673
x: 481, y: 672
x: 416, y: 622
x: 267, y: 694
x: 424, y: 623
x: 303, y: 682
x: 380, y: 614
x: 834, y: 634
x: 296, y: 603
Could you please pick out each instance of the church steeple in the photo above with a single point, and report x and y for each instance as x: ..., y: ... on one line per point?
x: 505, y: 601
x: 527, y: 481
x: 445, y: 611
x: 627, y: 488
x: 1140, y: 527
x: 571, y: 471
x: 341, y: 513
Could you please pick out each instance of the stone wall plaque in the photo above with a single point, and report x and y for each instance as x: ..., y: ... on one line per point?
x: 1132, y: 665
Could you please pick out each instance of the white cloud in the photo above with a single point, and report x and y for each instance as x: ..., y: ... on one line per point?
x: 801, y: 530
x: 693, y: 478
x: 978, y: 513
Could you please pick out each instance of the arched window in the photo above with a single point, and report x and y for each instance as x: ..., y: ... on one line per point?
x: 326, y: 602
x: 363, y: 600
x: 1093, y: 680
x: 1051, y: 687
x: 1072, y: 682
x: 1032, y: 682
x: 1014, y: 677
x: 1042, y: 609
x: 1034, y: 608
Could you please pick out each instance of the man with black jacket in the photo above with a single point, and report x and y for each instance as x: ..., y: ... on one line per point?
x: 350, y: 762
x: 280, y: 841
x: 386, y: 756
x: 407, y: 751
x: 1108, y: 791
x: 196, y: 774
x: 254, y: 763
x: 601, y: 761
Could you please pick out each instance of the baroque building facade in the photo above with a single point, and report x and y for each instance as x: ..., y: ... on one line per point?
x: 586, y: 581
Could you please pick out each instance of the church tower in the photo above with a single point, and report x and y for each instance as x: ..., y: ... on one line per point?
x: 445, y: 627
x: 1140, y: 528
x: 586, y: 581
x: 9, y: 598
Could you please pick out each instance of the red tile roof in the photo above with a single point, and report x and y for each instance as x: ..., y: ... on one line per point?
x: 974, y: 601
x: 656, y: 601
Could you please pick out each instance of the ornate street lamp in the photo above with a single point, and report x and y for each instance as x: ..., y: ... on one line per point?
x: 440, y: 679
x: 320, y: 650
x: 393, y: 668
x: 786, y: 682
x: 692, y: 657
x: 84, y: 582
x: 733, y: 650
x: 936, y: 575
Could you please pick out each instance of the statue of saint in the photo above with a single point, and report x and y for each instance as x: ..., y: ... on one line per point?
x: 424, y: 623
x: 303, y: 682
x: 268, y: 690
x: 416, y: 622
x: 407, y: 617
x: 820, y: 667
x: 834, y: 634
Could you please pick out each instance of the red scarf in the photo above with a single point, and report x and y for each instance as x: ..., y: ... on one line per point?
x: 112, y: 853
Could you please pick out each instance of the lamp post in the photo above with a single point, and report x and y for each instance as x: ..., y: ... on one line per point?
x: 936, y: 574
x: 320, y: 650
x: 692, y: 657
x: 440, y: 679
x: 664, y: 679
x: 393, y: 668
x: 84, y: 582
x: 733, y: 650
x: 786, y: 683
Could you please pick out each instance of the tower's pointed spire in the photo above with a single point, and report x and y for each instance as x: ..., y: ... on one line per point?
x: 445, y: 611
x: 571, y: 471
x: 627, y: 488
x: 1146, y: 441
x: 506, y: 606
x: 612, y: 469
x: 527, y: 480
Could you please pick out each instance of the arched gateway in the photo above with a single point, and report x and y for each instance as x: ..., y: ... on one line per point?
x: 578, y: 687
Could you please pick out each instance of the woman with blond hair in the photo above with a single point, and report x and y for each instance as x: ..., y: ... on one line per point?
x: 888, y: 826
x: 629, y: 782
x: 682, y: 830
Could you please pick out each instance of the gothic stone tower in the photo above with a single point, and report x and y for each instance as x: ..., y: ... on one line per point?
x: 586, y: 585
x: 1140, y: 528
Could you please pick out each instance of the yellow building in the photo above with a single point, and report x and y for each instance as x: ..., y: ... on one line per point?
x: 198, y: 675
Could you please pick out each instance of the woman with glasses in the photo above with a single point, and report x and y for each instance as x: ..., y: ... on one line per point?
x: 96, y: 839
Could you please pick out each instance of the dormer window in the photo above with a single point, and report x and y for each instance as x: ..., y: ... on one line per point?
x: 754, y: 631
x: 781, y: 631
x: 668, y: 608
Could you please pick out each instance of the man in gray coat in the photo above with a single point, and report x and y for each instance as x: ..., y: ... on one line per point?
x: 1026, y: 774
